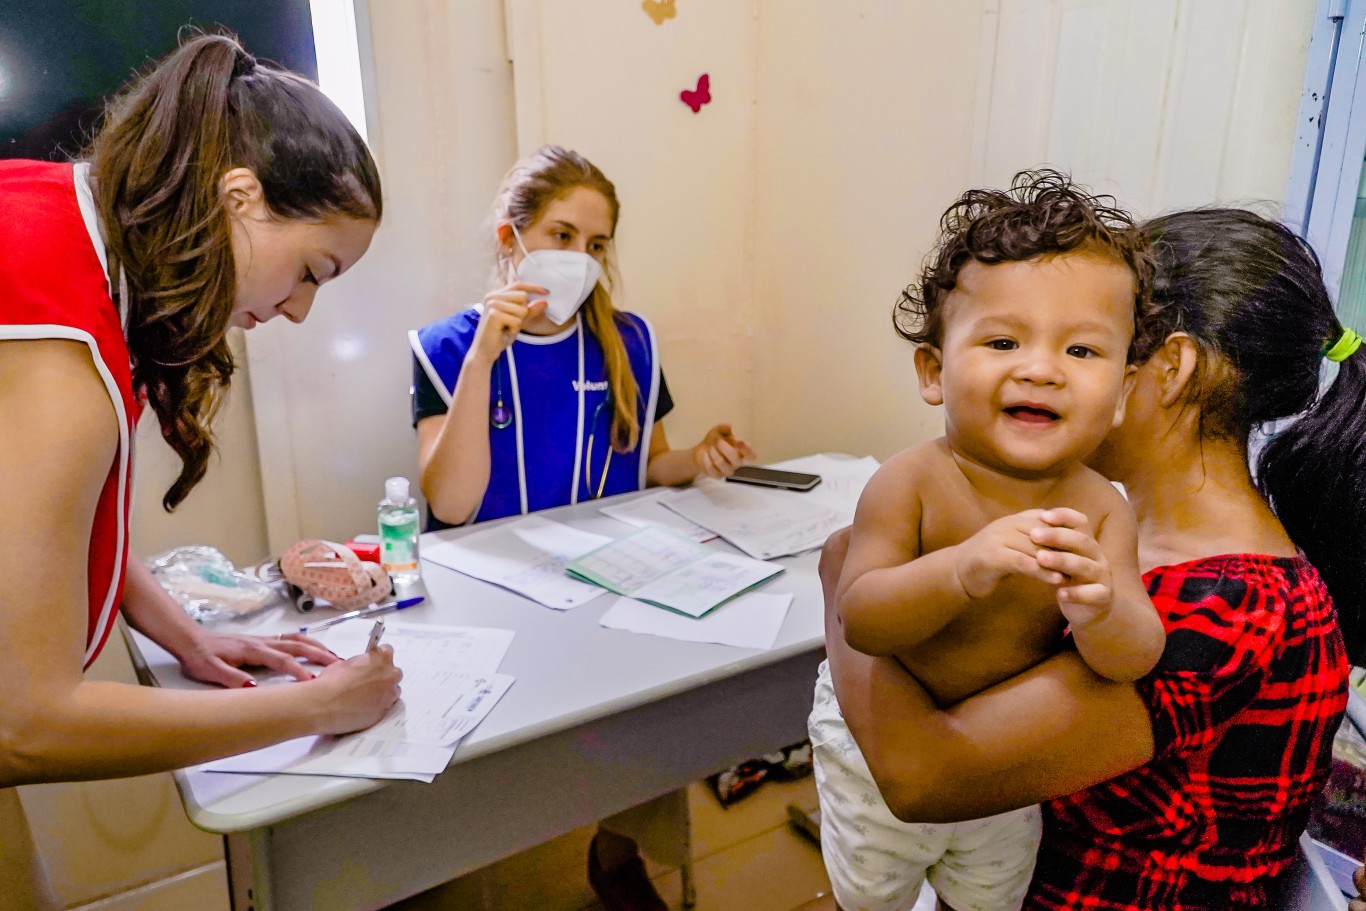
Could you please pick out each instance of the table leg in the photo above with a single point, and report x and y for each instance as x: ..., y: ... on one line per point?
x: 249, y: 867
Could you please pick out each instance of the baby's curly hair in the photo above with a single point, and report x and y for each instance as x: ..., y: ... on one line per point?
x: 1042, y: 214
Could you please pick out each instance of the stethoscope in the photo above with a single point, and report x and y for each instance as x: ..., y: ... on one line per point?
x: 501, y: 417
x: 588, y: 452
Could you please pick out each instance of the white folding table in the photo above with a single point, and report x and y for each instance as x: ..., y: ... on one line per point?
x: 598, y: 721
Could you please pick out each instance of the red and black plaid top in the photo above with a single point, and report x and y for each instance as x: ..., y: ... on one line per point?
x: 1244, y: 704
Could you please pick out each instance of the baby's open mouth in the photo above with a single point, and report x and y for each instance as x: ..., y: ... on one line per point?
x: 1032, y: 414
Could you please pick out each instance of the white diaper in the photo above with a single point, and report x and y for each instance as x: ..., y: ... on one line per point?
x: 877, y: 862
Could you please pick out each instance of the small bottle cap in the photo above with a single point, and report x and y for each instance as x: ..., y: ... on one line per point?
x: 396, y: 490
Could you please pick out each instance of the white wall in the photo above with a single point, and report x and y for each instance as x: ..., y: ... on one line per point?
x: 769, y: 235
x: 1165, y: 103
x: 333, y: 412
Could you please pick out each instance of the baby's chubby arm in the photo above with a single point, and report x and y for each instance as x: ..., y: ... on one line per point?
x: 1100, y: 590
x: 890, y: 596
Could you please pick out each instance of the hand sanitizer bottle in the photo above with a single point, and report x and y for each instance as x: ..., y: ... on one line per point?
x: 398, y: 531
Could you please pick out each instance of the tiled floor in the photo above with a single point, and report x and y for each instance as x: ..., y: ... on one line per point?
x: 747, y: 858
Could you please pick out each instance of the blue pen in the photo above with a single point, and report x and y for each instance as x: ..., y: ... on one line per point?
x: 363, y: 612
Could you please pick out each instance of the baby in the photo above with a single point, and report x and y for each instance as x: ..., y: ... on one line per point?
x: 1024, y: 324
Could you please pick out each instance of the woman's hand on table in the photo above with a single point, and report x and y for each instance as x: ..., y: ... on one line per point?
x: 219, y: 657
x: 721, y: 452
x: 362, y: 689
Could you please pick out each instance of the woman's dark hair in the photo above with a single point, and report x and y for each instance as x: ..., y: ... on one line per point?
x: 1251, y: 295
x: 1042, y: 214
x: 156, y: 165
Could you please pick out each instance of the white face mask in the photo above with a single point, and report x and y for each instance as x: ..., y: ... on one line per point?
x: 568, y: 276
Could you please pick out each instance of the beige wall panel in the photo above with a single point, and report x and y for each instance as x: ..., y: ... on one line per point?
x: 609, y: 87
x: 225, y: 509
x: 864, y: 119
x: 338, y: 416
x: 201, y: 889
x: 103, y: 837
x: 1262, y: 124
x: 1164, y: 103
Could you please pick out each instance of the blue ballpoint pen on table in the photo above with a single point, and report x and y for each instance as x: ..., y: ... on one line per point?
x: 363, y: 612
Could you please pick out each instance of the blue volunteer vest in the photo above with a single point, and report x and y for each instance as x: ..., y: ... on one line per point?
x: 556, y: 386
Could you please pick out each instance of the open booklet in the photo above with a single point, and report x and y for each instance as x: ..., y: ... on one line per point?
x: 663, y: 567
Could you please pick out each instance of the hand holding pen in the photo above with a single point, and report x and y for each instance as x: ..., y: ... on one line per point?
x: 362, y: 689
x: 375, y: 633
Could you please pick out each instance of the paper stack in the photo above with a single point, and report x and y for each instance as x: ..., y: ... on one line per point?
x: 777, y: 523
x: 450, y: 683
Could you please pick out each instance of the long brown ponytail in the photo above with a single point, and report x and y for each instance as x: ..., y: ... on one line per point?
x: 156, y: 165
x: 547, y: 174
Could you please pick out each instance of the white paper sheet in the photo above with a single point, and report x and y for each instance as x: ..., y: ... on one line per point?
x: 659, y: 565
x: 762, y: 523
x: 439, y: 707
x: 345, y: 757
x: 842, y: 479
x: 449, y: 686
x: 749, y: 621
x: 768, y: 523
x: 650, y: 510
x: 526, y: 556
x: 472, y: 649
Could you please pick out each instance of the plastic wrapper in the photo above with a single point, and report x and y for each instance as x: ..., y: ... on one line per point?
x: 208, y: 586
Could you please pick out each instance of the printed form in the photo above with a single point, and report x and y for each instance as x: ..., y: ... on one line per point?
x: 777, y: 523
x: 450, y: 683
x: 662, y: 567
x: 527, y: 556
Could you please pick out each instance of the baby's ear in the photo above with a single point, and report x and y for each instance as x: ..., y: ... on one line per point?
x: 929, y: 366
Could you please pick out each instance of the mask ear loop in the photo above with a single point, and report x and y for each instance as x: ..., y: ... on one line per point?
x: 517, y: 234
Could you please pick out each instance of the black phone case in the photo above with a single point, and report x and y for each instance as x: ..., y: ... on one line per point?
x: 760, y: 482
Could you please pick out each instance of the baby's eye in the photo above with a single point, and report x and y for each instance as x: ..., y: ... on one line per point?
x: 309, y: 278
x: 1001, y: 344
x: 1081, y: 351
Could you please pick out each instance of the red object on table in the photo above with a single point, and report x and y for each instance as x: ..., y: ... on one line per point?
x: 365, y: 550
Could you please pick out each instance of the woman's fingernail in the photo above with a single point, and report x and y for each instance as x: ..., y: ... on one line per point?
x: 248, y: 682
x: 315, y: 676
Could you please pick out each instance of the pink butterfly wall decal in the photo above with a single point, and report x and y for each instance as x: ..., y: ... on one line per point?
x: 698, y: 97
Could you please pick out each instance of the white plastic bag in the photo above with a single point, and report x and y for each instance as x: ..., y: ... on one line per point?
x: 207, y: 585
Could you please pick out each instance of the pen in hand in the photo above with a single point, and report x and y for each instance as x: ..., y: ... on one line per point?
x: 375, y: 633
x: 363, y: 612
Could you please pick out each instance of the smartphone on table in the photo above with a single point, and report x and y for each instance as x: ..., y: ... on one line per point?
x: 772, y: 477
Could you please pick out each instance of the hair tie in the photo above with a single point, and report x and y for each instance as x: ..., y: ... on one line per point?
x: 1344, y: 347
x: 244, y: 65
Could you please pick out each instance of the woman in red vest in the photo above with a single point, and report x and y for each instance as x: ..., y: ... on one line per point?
x: 218, y: 193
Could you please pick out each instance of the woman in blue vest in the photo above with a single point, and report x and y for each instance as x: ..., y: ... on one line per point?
x: 545, y: 395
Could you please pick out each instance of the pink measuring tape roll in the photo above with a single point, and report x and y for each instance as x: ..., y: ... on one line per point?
x: 334, y: 573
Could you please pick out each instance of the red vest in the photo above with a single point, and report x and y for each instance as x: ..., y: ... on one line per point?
x: 53, y: 284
